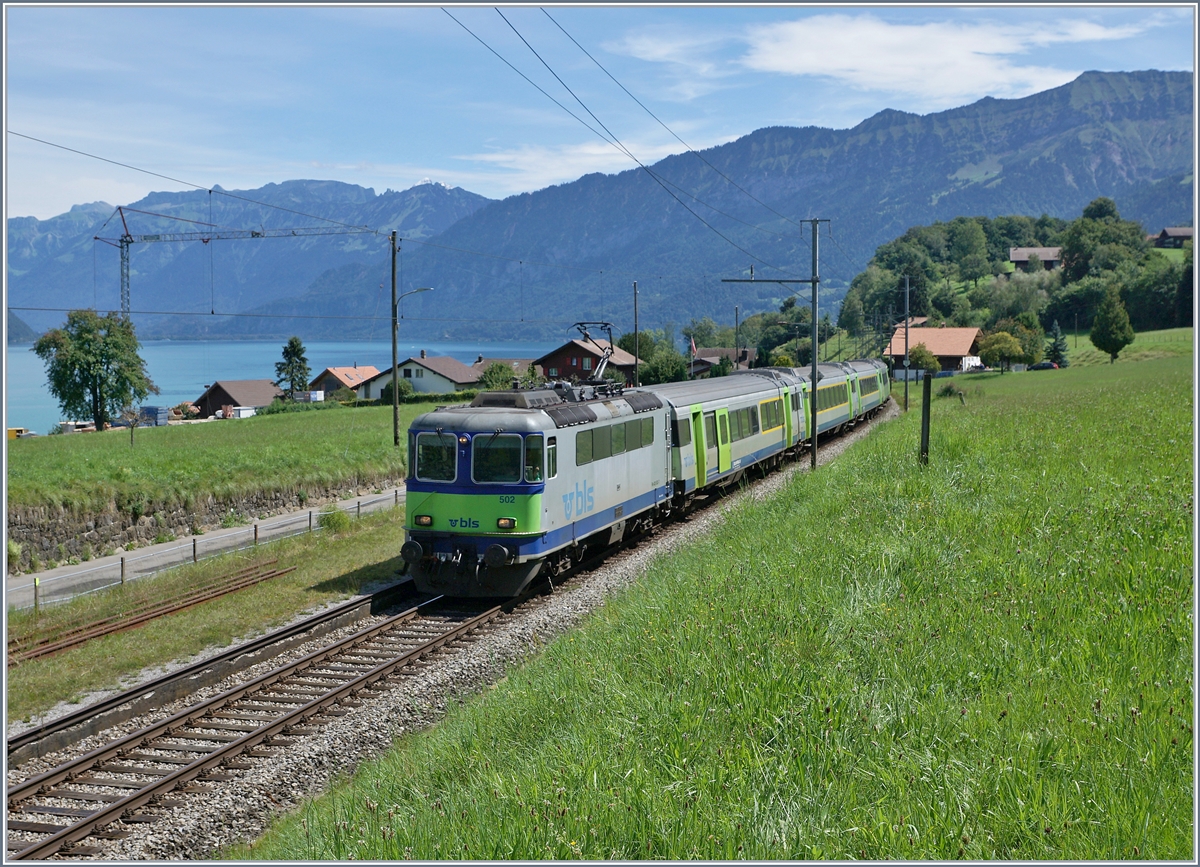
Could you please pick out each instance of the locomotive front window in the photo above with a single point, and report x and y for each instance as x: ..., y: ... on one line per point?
x: 436, y: 458
x: 496, y: 458
x: 533, y: 458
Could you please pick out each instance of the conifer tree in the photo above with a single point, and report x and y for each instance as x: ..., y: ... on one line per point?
x: 1056, y: 347
x: 1111, y: 331
x: 292, y: 372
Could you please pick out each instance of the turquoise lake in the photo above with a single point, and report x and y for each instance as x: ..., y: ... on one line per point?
x: 183, y: 369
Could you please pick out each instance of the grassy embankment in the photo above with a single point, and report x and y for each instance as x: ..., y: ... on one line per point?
x: 328, y: 568
x: 224, y: 459
x: 990, y: 657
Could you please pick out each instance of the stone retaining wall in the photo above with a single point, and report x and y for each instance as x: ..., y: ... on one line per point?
x: 57, y: 534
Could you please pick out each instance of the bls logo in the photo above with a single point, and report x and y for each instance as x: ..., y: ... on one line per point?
x: 579, y: 501
x: 465, y: 523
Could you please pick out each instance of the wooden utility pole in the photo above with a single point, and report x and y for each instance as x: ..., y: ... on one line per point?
x: 906, y: 319
x: 395, y: 325
x: 637, y: 344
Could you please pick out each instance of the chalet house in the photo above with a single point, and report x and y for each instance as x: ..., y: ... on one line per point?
x: 577, y: 360
x: 950, y: 345
x: 438, y: 374
x: 1050, y: 257
x: 518, y: 365
x: 1173, y: 236
x: 713, y: 354
x: 331, y: 379
x: 255, y: 393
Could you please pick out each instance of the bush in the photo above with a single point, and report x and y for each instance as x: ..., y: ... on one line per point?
x: 14, y: 554
x: 403, y: 388
x: 334, y: 519
x: 278, y: 406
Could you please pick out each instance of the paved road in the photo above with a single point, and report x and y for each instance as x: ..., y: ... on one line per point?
x: 66, y: 581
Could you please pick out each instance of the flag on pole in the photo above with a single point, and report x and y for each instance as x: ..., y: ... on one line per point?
x: 693, y: 347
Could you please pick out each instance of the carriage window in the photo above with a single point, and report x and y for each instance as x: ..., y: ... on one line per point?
x: 551, y: 457
x: 601, y: 443
x: 647, y: 431
x: 533, y: 458
x: 583, y: 448
x: 633, y: 435
x: 618, y: 438
x: 496, y: 458
x: 753, y: 412
x: 723, y: 424
x: 436, y: 457
x: 710, y: 430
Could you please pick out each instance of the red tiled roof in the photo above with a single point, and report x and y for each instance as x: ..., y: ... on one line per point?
x: 451, y: 368
x: 246, y: 392
x: 942, y: 342
x: 351, y: 377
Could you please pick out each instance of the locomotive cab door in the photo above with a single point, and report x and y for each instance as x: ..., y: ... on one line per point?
x: 711, y: 449
x: 787, y: 417
x: 724, y: 461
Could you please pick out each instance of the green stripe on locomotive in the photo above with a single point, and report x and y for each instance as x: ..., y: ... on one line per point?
x: 475, y: 514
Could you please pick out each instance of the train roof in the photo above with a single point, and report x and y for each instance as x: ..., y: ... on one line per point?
x: 701, y: 390
x: 531, y: 410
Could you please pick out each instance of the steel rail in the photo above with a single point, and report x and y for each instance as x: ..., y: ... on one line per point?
x: 114, y: 810
x: 31, y: 737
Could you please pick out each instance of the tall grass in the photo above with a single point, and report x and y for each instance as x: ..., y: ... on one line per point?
x: 990, y: 657
x: 178, y: 464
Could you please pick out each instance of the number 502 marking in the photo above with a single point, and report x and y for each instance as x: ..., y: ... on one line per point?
x: 508, y: 498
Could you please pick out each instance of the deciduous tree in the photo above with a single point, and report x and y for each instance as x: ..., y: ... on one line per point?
x: 93, y: 366
x: 920, y: 358
x: 1000, y: 350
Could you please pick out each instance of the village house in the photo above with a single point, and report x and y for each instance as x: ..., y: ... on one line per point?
x: 951, y: 346
x: 1050, y: 257
x: 254, y: 393
x: 432, y: 374
x: 578, y: 359
x: 331, y: 379
x: 1172, y: 236
x: 517, y: 365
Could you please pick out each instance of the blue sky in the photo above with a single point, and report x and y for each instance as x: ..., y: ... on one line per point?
x: 386, y: 97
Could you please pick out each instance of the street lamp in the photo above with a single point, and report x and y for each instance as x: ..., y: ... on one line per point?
x: 395, y: 326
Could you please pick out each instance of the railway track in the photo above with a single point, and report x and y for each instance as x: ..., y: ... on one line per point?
x: 212, y: 741
x: 41, y: 644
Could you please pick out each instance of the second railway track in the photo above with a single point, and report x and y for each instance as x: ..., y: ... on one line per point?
x: 210, y: 741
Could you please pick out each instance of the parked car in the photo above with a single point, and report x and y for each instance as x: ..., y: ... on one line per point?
x: 1044, y: 365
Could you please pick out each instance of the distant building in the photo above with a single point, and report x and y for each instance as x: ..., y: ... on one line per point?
x: 578, y: 360
x: 952, y: 346
x: 331, y: 379
x: 518, y: 365
x: 713, y: 354
x: 1173, y: 236
x: 1050, y: 257
x: 256, y: 393
x: 435, y: 374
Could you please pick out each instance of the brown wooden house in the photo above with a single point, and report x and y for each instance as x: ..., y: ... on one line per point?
x: 237, y: 392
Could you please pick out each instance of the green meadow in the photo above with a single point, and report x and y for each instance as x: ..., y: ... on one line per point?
x: 179, y: 464
x: 989, y: 657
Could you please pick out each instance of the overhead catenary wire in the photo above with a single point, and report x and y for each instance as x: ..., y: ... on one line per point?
x: 566, y: 320
x: 691, y: 149
x: 619, y: 147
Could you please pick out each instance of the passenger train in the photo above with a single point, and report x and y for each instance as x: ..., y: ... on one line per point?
x: 522, y: 483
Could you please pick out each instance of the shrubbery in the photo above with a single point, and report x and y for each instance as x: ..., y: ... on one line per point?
x: 334, y: 519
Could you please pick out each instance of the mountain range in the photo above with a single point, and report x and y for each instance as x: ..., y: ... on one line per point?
x: 527, y: 266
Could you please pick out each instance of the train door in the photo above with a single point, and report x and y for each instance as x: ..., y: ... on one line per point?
x: 724, y: 460
x: 805, y: 413
x: 710, y: 442
x: 787, y: 417
x: 698, y: 443
x: 855, y: 397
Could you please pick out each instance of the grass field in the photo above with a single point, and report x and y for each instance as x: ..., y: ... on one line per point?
x: 1147, y: 345
x: 224, y: 459
x: 328, y: 568
x: 990, y: 657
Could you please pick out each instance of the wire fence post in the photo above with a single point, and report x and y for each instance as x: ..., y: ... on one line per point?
x: 397, y: 493
x: 256, y: 534
x: 925, y: 398
x: 122, y: 571
x: 310, y: 520
x: 195, y: 557
x: 359, y: 515
x: 37, y: 602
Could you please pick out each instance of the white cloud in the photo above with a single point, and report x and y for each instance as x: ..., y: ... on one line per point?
x: 691, y: 57
x: 941, y: 63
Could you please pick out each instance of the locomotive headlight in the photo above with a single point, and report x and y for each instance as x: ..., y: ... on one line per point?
x: 424, y: 520
x: 506, y: 523
x: 463, y: 440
